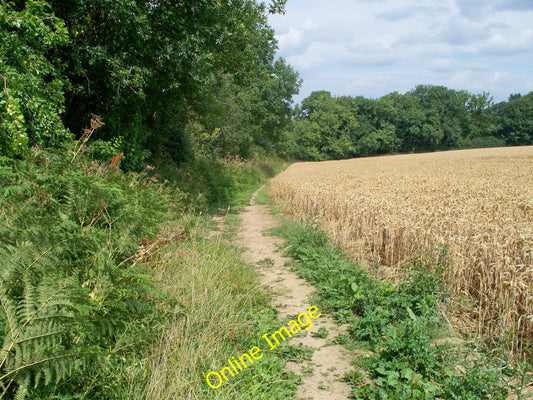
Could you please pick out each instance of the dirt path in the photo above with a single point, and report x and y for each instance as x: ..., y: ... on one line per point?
x: 321, y: 375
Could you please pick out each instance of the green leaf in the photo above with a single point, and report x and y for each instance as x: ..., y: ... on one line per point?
x: 411, y: 314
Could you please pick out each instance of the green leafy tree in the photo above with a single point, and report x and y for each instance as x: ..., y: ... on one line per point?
x: 516, y: 120
x: 480, y: 108
x: 31, y: 93
x: 325, y: 128
x: 248, y: 117
x: 381, y: 141
x: 150, y: 67
x: 446, y: 112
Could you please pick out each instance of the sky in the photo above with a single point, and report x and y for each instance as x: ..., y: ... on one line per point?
x: 374, y: 47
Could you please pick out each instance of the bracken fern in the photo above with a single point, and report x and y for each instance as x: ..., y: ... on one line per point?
x: 37, y: 316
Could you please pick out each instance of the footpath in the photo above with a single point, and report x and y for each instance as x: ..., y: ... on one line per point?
x: 322, y: 374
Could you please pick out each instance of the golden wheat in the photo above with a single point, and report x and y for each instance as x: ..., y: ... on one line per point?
x: 479, y: 203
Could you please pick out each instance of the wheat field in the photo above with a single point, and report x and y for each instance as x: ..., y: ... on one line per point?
x: 476, y: 203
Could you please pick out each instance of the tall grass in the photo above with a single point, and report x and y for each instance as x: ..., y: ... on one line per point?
x: 217, y: 311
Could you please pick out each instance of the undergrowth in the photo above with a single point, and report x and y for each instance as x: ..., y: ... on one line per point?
x: 75, y: 310
x: 80, y: 307
x: 399, y: 325
x: 208, y: 184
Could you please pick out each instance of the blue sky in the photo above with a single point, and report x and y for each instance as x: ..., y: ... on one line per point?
x: 374, y: 47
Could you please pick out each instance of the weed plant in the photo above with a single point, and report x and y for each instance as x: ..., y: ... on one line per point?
x: 399, y: 324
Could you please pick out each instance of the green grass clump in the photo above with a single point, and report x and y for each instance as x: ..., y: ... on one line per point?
x: 263, y: 198
x: 218, y: 311
x: 399, y: 324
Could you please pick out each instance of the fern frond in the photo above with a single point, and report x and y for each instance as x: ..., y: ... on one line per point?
x: 38, y: 313
x: 22, y: 390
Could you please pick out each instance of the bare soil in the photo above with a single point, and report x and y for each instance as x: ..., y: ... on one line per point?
x: 321, y: 375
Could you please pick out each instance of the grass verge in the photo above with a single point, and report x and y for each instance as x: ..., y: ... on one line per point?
x: 262, y: 197
x: 400, y: 327
x: 218, y: 311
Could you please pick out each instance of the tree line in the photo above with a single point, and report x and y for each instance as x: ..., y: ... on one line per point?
x: 178, y: 80
x: 167, y: 77
x: 427, y: 118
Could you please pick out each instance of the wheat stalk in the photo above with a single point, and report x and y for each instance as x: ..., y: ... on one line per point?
x: 478, y: 203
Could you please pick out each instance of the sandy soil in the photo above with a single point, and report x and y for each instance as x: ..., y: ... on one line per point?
x: 321, y: 375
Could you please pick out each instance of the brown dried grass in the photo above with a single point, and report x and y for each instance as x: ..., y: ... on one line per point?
x: 479, y: 203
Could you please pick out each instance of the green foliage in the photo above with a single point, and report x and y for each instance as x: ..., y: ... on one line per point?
x: 79, y: 311
x: 325, y: 129
x: 516, y: 120
x: 483, y: 142
x: 381, y: 141
x: 477, y: 382
x: 263, y: 197
x: 208, y: 183
x: 397, y: 323
x: 406, y: 365
x: 247, y: 117
x: 73, y: 304
x: 31, y: 95
x: 296, y: 353
x: 37, y: 315
x: 153, y: 69
x: 427, y: 118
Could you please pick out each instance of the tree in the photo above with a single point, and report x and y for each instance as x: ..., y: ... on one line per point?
x: 516, y: 120
x: 380, y: 141
x: 446, y: 112
x: 249, y: 117
x: 149, y: 66
x: 325, y: 128
x: 31, y: 94
x: 482, y: 117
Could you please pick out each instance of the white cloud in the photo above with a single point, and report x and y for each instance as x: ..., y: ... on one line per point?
x: 499, y: 44
x: 290, y: 40
x: 297, y: 37
x: 375, y: 47
x: 441, y: 65
x: 309, y: 25
x: 499, y: 83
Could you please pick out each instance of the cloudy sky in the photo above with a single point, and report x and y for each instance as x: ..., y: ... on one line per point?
x: 374, y: 47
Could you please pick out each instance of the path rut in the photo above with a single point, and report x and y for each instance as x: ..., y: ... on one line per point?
x: 321, y: 375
